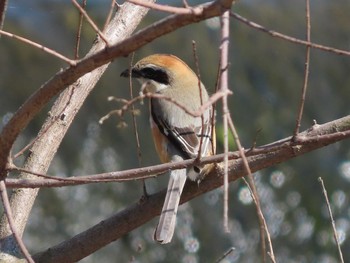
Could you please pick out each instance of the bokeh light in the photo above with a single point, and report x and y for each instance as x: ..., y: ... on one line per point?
x: 277, y: 179
x: 244, y: 196
x: 192, y: 245
x: 344, y: 169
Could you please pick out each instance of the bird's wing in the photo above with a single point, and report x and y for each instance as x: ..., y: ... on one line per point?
x: 190, y: 139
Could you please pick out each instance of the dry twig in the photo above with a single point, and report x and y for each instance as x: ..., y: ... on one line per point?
x: 225, y: 33
x: 91, y: 22
x: 169, y: 9
x: 289, y: 38
x: 335, y: 233
x: 109, y: 16
x: 8, y: 212
x: 77, y: 42
x: 306, y: 72
x: 3, y: 8
x: 34, y: 44
x: 228, y: 252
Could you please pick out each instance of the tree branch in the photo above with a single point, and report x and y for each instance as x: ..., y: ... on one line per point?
x: 141, y: 212
x: 317, y: 136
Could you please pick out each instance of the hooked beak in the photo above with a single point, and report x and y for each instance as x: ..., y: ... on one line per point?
x: 134, y: 73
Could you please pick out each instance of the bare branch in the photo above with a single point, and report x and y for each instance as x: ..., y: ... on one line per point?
x: 335, y: 233
x: 169, y: 9
x: 8, y: 212
x: 228, y: 252
x: 109, y: 16
x: 77, y: 42
x: 46, y: 49
x: 195, y: 56
x: 91, y: 22
x: 3, y: 9
x: 306, y: 71
x: 225, y: 33
x: 289, y: 38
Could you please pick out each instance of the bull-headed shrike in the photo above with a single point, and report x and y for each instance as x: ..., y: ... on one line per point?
x: 177, y: 134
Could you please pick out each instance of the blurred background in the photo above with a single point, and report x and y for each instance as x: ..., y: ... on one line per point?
x: 266, y: 76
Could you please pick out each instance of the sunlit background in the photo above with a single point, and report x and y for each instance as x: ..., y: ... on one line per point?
x: 266, y: 76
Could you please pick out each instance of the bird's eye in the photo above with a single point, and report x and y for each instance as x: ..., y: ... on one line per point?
x: 156, y: 74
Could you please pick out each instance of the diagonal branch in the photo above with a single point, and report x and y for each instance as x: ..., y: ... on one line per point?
x: 94, y: 60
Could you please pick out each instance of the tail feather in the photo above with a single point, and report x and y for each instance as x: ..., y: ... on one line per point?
x: 167, y: 221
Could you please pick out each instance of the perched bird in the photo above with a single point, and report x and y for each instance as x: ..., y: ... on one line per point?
x: 177, y: 134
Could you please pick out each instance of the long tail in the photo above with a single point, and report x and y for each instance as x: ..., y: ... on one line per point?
x: 165, y: 229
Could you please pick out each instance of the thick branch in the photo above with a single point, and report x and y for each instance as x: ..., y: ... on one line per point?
x: 139, y: 213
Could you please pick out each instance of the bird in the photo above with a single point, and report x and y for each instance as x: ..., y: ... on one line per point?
x: 177, y: 134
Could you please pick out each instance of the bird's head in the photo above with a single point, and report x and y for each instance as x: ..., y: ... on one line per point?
x: 161, y: 71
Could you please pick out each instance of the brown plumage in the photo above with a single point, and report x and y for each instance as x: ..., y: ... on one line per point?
x: 177, y: 135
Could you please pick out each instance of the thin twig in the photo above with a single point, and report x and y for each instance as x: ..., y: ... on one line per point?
x: 228, y: 252
x: 127, y: 104
x: 57, y: 178
x: 139, y: 154
x: 254, y: 192
x: 289, y: 38
x: 137, y: 138
x: 213, y: 116
x: 3, y: 8
x: 270, y: 253
x: 169, y: 9
x: 34, y: 44
x: 77, y: 42
x: 335, y: 233
x: 306, y: 72
x: 109, y: 16
x: 8, y: 212
x: 225, y: 33
x: 196, y: 60
x: 263, y: 228
x: 186, y: 5
x: 91, y: 22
